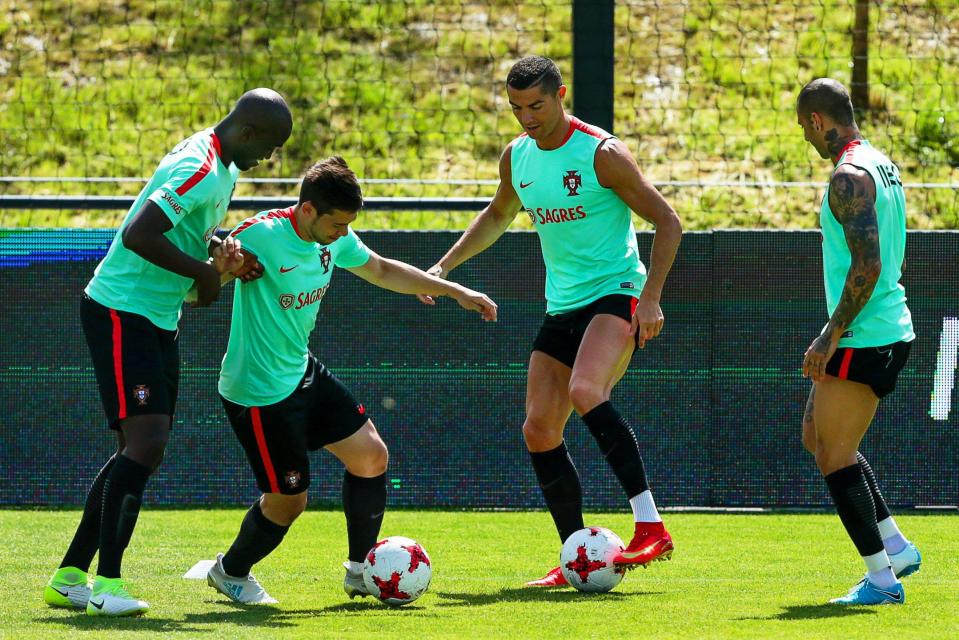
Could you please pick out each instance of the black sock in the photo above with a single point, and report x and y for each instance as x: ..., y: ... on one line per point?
x: 561, y: 489
x: 618, y: 444
x: 122, y: 494
x: 87, y: 537
x: 882, y: 511
x: 364, y: 501
x: 856, y: 508
x: 258, y: 537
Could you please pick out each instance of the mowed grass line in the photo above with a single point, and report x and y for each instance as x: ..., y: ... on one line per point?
x: 733, y: 576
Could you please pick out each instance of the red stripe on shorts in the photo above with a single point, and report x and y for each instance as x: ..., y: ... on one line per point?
x: 118, y: 362
x: 264, y: 452
x: 846, y: 361
x: 632, y: 306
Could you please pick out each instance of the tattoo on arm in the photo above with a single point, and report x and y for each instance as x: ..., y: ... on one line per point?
x: 853, y: 203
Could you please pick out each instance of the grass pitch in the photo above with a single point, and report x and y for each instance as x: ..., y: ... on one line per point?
x: 732, y: 576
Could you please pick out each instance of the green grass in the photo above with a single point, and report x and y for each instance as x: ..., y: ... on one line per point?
x: 733, y: 576
x: 414, y: 89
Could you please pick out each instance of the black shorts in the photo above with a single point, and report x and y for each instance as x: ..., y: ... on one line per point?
x: 561, y: 334
x: 136, y: 363
x: 878, y: 367
x: 277, y: 437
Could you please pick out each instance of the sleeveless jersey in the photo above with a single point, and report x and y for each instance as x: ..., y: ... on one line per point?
x: 585, y: 230
x: 274, y: 315
x: 193, y: 189
x: 885, y: 318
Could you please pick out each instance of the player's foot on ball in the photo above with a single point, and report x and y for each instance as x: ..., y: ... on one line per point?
x: 906, y: 562
x: 245, y: 590
x: 353, y: 583
x: 554, y: 578
x: 650, y: 542
x: 109, y: 597
x: 867, y: 593
x: 67, y: 588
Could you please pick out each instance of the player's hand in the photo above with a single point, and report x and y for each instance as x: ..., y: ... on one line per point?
x: 818, y: 355
x: 251, y: 269
x: 435, y: 270
x: 207, y: 285
x: 647, y: 321
x: 227, y: 256
x: 475, y: 301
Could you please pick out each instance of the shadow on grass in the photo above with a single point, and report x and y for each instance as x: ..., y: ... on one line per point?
x: 527, y: 594
x: 814, y: 612
x: 224, y: 613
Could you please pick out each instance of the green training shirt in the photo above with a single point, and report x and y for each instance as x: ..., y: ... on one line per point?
x: 193, y: 188
x: 885, y: 318
x: 585, y: 230
x: 274, y: 315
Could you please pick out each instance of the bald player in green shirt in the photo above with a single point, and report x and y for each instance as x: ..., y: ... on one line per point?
x: 130, y: 310
x: 579, y: 184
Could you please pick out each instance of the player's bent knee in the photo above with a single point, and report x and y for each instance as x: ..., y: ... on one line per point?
x: 585, y: 395
x: 283, y: 509
x: 540, y: 437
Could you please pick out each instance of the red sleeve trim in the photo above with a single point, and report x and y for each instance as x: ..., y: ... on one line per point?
x: 275, y: 213
x: 213, y: 151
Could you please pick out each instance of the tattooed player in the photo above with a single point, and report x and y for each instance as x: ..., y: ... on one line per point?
x: 856, y: 359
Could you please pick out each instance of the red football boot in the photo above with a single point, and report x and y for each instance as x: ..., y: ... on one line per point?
x: 554, y: 578
x: 650, y: 542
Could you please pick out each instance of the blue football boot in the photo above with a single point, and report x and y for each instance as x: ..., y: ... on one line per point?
x: 906, y: 562
x: 866, y: 593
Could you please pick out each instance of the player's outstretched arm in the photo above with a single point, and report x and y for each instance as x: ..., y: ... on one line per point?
x: 485, y: 229
x: 852, y: 198
x: 144, y: 235
x: 617, y: 169
x: 405, y: 278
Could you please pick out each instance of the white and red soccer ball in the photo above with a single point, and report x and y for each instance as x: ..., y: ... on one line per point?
x: 397, y: 570
x: 587, y: 559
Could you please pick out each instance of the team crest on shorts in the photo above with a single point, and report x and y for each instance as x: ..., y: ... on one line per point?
x: 572, y: 181
x: 286, y: 300
x: 141, y: 392
x: 292, y: 479
x: 325, y: 258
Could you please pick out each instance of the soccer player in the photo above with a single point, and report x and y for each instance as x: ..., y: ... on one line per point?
x: 282, y: 402
x: 858, y: 356
x: 130, y: 310
x: 578, y: 184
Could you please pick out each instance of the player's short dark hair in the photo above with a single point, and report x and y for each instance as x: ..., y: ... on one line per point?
x: 827, y: 96
x: 331, y: 184
x: 535, y: 70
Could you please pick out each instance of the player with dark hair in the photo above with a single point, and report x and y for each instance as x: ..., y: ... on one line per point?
x: 857, y: 358
x: 130, y: 311
x: 578, y: 184
x: 282, y: 402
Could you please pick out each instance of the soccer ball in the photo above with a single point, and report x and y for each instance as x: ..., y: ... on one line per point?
x: 397, y: 570
x: 587, y: 559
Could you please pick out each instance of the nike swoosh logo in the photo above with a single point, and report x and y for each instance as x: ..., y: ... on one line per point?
x: 65, y: 594
x: 284, y: 269
x: 895, y: 596
x: 523, y: 186
x: 98, y: 606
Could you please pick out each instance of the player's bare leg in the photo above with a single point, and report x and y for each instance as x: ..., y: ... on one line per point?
x: 601, y: 362
x: 365, y: 456
x: 903, y: 555
x: 842, y: 412
x: 547, y: 409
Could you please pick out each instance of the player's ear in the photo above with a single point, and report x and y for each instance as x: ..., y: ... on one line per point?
x: 308, y: 209
x: 247, y: 133
x: 562, y: 91
x: 816, y: 120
